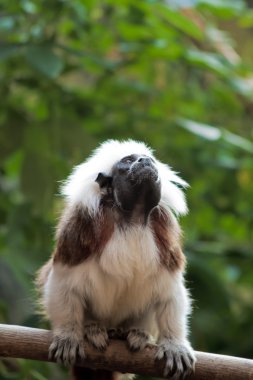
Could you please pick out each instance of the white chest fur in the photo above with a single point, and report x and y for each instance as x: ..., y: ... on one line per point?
x: 123, y: 281
x: 129, y: 253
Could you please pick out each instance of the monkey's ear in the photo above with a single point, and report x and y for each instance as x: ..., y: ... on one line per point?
x: 103, y: 180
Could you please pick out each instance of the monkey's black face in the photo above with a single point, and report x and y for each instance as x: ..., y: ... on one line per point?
x: 135, y: 184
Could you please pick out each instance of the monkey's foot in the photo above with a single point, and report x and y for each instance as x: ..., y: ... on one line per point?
x: 66, y: 349
x: 137, y: 339
x: 179, y: 359
x: 96, y: 335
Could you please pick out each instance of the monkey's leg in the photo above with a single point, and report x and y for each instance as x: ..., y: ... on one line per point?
x: 173, y: 343
x: 66, y: 313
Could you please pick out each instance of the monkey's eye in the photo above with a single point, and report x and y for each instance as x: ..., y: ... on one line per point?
x: 128, y: 159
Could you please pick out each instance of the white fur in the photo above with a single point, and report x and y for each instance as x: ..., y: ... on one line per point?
x: 81, y: 187
x: 126, y: 281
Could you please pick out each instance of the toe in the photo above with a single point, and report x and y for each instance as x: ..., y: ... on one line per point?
x: 137, y: 340
x: 97, y: 336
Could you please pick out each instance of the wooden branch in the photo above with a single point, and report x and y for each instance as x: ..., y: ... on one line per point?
x: 30, y: 343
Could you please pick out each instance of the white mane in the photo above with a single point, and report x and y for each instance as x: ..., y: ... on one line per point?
x: 80, y: 186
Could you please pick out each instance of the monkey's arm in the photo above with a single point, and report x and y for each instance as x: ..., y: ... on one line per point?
x: 172, y: 323
x: 69, y: 314
x: 70, y: 317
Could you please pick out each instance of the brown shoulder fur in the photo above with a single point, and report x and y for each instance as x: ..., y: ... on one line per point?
x: 167, y: 235
x: 79, y: 235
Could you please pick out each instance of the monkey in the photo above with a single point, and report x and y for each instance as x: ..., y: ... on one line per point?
x: 118, y: 265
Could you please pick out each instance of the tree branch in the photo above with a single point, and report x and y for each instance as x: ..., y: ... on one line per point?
x: 30, y: 343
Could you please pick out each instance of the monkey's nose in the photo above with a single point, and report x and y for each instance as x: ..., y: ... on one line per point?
x: 145, y: 161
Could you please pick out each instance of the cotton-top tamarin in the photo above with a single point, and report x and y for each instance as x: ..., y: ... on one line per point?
x: 118, y: 264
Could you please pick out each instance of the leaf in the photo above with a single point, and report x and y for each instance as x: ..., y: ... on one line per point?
x: 29, y: 6
x: 179, y: 21
x: 13, y: 163
x: 223, y: 8
x: 7, y: 51
x: 203, y: 130
x: 246, y: 20
x: 238, y: 141
x: 37, y: 375
x: 7, y: 23
x: 243, y: 86
x: 43, y: 59
x: 210, y: 61
x: 222, y: 44
x: 209, y: 132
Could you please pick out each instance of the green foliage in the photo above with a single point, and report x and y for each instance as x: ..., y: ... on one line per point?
x: 74, y: 73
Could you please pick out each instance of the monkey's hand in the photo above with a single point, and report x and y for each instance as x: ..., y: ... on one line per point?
x: 96, y: 335
x: 179, y: 359
x: 66, y: 348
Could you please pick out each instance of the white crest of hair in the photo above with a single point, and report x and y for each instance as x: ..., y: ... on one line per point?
x: 81, y: 188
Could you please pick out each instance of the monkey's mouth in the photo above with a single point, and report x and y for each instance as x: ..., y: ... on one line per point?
x: 140, y: 173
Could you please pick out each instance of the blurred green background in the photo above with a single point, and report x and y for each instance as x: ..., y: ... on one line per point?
x: 177, y: 75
